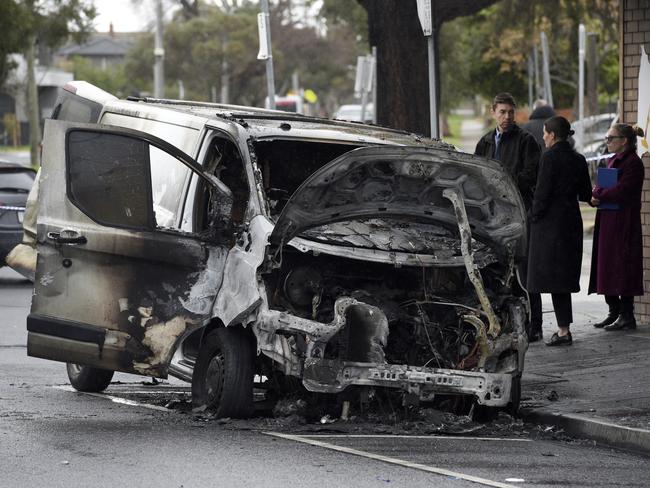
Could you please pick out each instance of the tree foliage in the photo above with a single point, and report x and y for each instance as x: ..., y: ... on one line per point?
x: 497, y: 42
x: 47, y: 22
x: 207, y: 39
x: 13, y: 26
x: 483, y: 48
x: 113, y: 80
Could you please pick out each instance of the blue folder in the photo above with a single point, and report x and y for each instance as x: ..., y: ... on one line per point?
x: 607, y: 178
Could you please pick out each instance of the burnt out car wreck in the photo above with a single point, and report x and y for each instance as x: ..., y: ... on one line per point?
x: 272, y: 247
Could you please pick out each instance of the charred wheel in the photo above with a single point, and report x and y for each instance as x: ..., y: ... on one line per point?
x: 515, y: 396
x: 223, y: 374
x: 85, y: 378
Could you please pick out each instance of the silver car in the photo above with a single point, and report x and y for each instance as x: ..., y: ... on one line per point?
x: 220, y: 244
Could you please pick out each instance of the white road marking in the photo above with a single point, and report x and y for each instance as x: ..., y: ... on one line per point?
x: 114, y: 399
x: 390, y: 460
x: 432, y: 436
x: 153, y: 392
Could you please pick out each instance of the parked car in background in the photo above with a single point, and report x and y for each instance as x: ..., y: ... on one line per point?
x: 15, y: 182
x: 353, y: 113
x: 590, y: 131
x: 597, y: 157
x: 219, y: 244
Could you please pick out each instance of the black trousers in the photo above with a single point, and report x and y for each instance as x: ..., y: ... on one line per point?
x: 535, y: 311
x: 562, y: 308
x: 620, y: 304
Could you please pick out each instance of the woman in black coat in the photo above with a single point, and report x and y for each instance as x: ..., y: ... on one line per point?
x: 555, y: 249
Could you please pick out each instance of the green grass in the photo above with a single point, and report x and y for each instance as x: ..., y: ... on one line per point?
x: 454, y: 122
x: 14, y: 148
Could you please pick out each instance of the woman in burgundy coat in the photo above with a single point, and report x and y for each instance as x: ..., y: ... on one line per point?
x: 617, y: 258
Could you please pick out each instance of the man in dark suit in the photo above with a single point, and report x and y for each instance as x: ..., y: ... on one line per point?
x: 519, y: 153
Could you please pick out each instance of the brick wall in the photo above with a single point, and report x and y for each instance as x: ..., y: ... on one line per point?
x: 634, y: 23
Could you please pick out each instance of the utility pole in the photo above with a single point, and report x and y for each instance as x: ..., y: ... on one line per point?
x: 181, y: 90
x: 538, y: 89
x: 530, y: 82
x: 32, y: 103
x: 159, y: 55
x: 374, y: 85
x: 581, y: 71
x: 265, y: 53
x: 425, y: 14
x: 592, y: 73
x: 548, y: 91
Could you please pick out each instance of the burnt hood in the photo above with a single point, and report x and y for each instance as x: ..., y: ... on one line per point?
x: 407, y: 183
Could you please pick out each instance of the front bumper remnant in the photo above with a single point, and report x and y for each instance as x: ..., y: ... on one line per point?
x: 326, y: 375
x: 332, y: 376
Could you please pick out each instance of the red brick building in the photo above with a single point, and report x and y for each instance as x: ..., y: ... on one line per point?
x: 634, y: 33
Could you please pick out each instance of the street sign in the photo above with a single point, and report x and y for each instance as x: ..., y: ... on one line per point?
x: 310, y: 96
x: 424, y: 14
x: 264, y: 52
x: 360, y: 79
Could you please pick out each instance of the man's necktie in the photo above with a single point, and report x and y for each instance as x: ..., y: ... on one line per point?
x: 497, y: 146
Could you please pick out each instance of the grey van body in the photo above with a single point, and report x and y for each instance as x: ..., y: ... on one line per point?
x: 195, y: 239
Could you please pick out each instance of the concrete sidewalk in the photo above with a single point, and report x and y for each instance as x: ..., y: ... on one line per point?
x: 598, y: 388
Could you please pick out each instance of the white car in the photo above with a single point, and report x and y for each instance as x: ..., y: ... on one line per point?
x: 353, y: 113
x: 222, y: 243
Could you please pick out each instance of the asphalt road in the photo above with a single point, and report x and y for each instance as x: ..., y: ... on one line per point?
x: 52, y: 436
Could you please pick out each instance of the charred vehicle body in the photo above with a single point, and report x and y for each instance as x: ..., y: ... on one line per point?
x: 220, y: 244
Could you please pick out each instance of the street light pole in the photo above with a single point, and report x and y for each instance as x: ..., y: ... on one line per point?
x: 433, y: 105
x: 425, y: 14
x: 582, y: 37
x: 264, y: 26
x: 546, y: 60
x: 159, y: 55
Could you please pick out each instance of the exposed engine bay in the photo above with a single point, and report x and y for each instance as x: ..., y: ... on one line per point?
x: 424, y: 308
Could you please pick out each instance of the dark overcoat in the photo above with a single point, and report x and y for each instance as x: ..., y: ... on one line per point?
x: 519, y: 156
x: 535, y: 124
x: 555, y: 246
x: 617, y: 257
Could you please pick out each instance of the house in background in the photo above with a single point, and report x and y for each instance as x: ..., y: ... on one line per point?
x: 104, y: 50
x: 14, y: 116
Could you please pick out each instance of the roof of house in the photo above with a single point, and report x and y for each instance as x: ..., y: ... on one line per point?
x: 98, y: 45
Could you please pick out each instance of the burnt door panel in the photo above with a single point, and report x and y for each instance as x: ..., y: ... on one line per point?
x: 113, y: 288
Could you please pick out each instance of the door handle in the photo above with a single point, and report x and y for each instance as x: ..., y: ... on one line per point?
x: 67, y: 236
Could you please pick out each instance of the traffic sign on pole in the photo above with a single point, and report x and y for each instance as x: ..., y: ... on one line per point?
x: 261, y: 29
x: 424, y: 14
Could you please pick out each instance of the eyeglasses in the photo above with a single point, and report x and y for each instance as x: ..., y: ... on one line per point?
x: 611, y: 138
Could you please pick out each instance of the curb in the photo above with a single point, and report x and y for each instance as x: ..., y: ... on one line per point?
x: 611, y: 434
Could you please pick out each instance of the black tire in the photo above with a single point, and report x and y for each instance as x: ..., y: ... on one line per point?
x: 483, y: 413
x: 222, y: 381
x: 515, y: 396
x: 85, y: 378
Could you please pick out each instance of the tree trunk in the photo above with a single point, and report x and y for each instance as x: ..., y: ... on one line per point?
x: 402, y: 66
x: 32, y: 105
x: 402, y: 72
x: 592, y: 74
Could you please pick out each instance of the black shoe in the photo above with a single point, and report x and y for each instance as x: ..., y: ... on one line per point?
x: 556, y: 340
x: 625, y: 321
x: 611, y: 318
x: 535, y: 336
